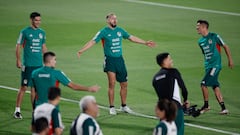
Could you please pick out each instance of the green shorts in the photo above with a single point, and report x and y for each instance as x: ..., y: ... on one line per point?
x: 211, y: 77
x: 26, y: 75
x: 116, y: 65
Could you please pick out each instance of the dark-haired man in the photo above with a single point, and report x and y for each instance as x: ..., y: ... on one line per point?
x: 32, y: 40
x: 47, y: 76
x: 210, y: 44
x: 50, y: 112
x: 114, y: 65
x: 167, y: 84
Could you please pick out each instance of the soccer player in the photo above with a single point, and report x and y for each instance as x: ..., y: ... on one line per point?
x: 210, y: 44
x: 166, y: 111
x: 85, y: 123
x: 167, y: 83
x: 114, y: 65
x: 47, y: 76
x: 50, y: 111
x: 32, y: 40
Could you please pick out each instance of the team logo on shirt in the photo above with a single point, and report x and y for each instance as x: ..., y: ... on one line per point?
x: 40, y: 35
x: 119, y: 34
x: 209, y: 41
x: 30, y: 35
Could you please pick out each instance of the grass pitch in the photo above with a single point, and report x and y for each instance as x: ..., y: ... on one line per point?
x: 70, y: 24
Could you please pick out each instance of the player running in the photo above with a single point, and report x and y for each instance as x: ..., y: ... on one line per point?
x: 114, y: 65
x: 210, y: 44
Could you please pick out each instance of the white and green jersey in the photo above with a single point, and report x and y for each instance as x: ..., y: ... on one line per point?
x: 111, y: 40
x: 165, y: 128
x: 211, y: 48
x: 32, y: 41
x: 51, y: 113
x: 85, y: 125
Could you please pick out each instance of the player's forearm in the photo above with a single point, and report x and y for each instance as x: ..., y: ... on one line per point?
x: 58, y: 131
x: 33, y: 95
x: 228, y: 52
x: 87, y: 46
x: 77, y: 87
x: 137, y: 40
x: 18, y: 52
x: 44, y: 48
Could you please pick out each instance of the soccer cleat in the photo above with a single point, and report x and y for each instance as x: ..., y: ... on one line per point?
x: 225, y: 111
x: 204, y: 109
x: 17, y: 115
x: 126, y: 109
x: 112, y: 111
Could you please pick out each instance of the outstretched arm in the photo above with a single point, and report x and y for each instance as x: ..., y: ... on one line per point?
x: 141, y: 41
x: 86, y: 47
x: 229, y: 56
x: 79, y: 87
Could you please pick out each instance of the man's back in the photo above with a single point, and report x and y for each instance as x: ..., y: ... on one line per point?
x: 167, y: 83
x: 52, y: 114
x: 44, y: 78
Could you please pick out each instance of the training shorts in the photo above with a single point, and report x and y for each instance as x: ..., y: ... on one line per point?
x: 116, y: 65
x: 26, y: 75
x: 211, y: 77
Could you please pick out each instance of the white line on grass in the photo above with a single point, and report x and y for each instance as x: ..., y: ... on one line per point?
x: 183, y: 7
x: 137, y: 114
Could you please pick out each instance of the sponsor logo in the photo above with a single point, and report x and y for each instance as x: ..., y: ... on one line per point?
x: 40, y: 36
x: 119, y: 34
x: 210, y: 41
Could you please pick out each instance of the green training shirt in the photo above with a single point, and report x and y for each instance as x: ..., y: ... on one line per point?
x: 111, y: 40
x: 32, y: 41
x: 211, y: 48
x: 44, y: 78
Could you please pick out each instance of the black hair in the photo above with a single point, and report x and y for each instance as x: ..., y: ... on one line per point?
x: 47, y: 55
x: 203, y: 22
x: 169, y: 107
x: 34, y: 14
x: 53, y: 93
x: 161, y: 57
x: 41, y: 124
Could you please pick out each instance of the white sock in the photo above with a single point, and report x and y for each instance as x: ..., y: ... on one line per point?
x: 17, y: 109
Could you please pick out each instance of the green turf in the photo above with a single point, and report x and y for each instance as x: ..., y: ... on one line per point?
x: 70, y: 24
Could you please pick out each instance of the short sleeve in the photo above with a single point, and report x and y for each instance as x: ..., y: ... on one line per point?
x: 98, y: 36
x: 88, y: 127
x: 160, y: 129
x: 220, y: 40
x: 21, y: 38
x: 56, y: 118
x: 125, y: 34
x: 62, y: 78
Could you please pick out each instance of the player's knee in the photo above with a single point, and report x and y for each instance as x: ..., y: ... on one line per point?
x: 23, y: 88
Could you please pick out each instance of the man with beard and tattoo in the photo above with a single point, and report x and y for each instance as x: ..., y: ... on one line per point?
x: 114, y: 66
